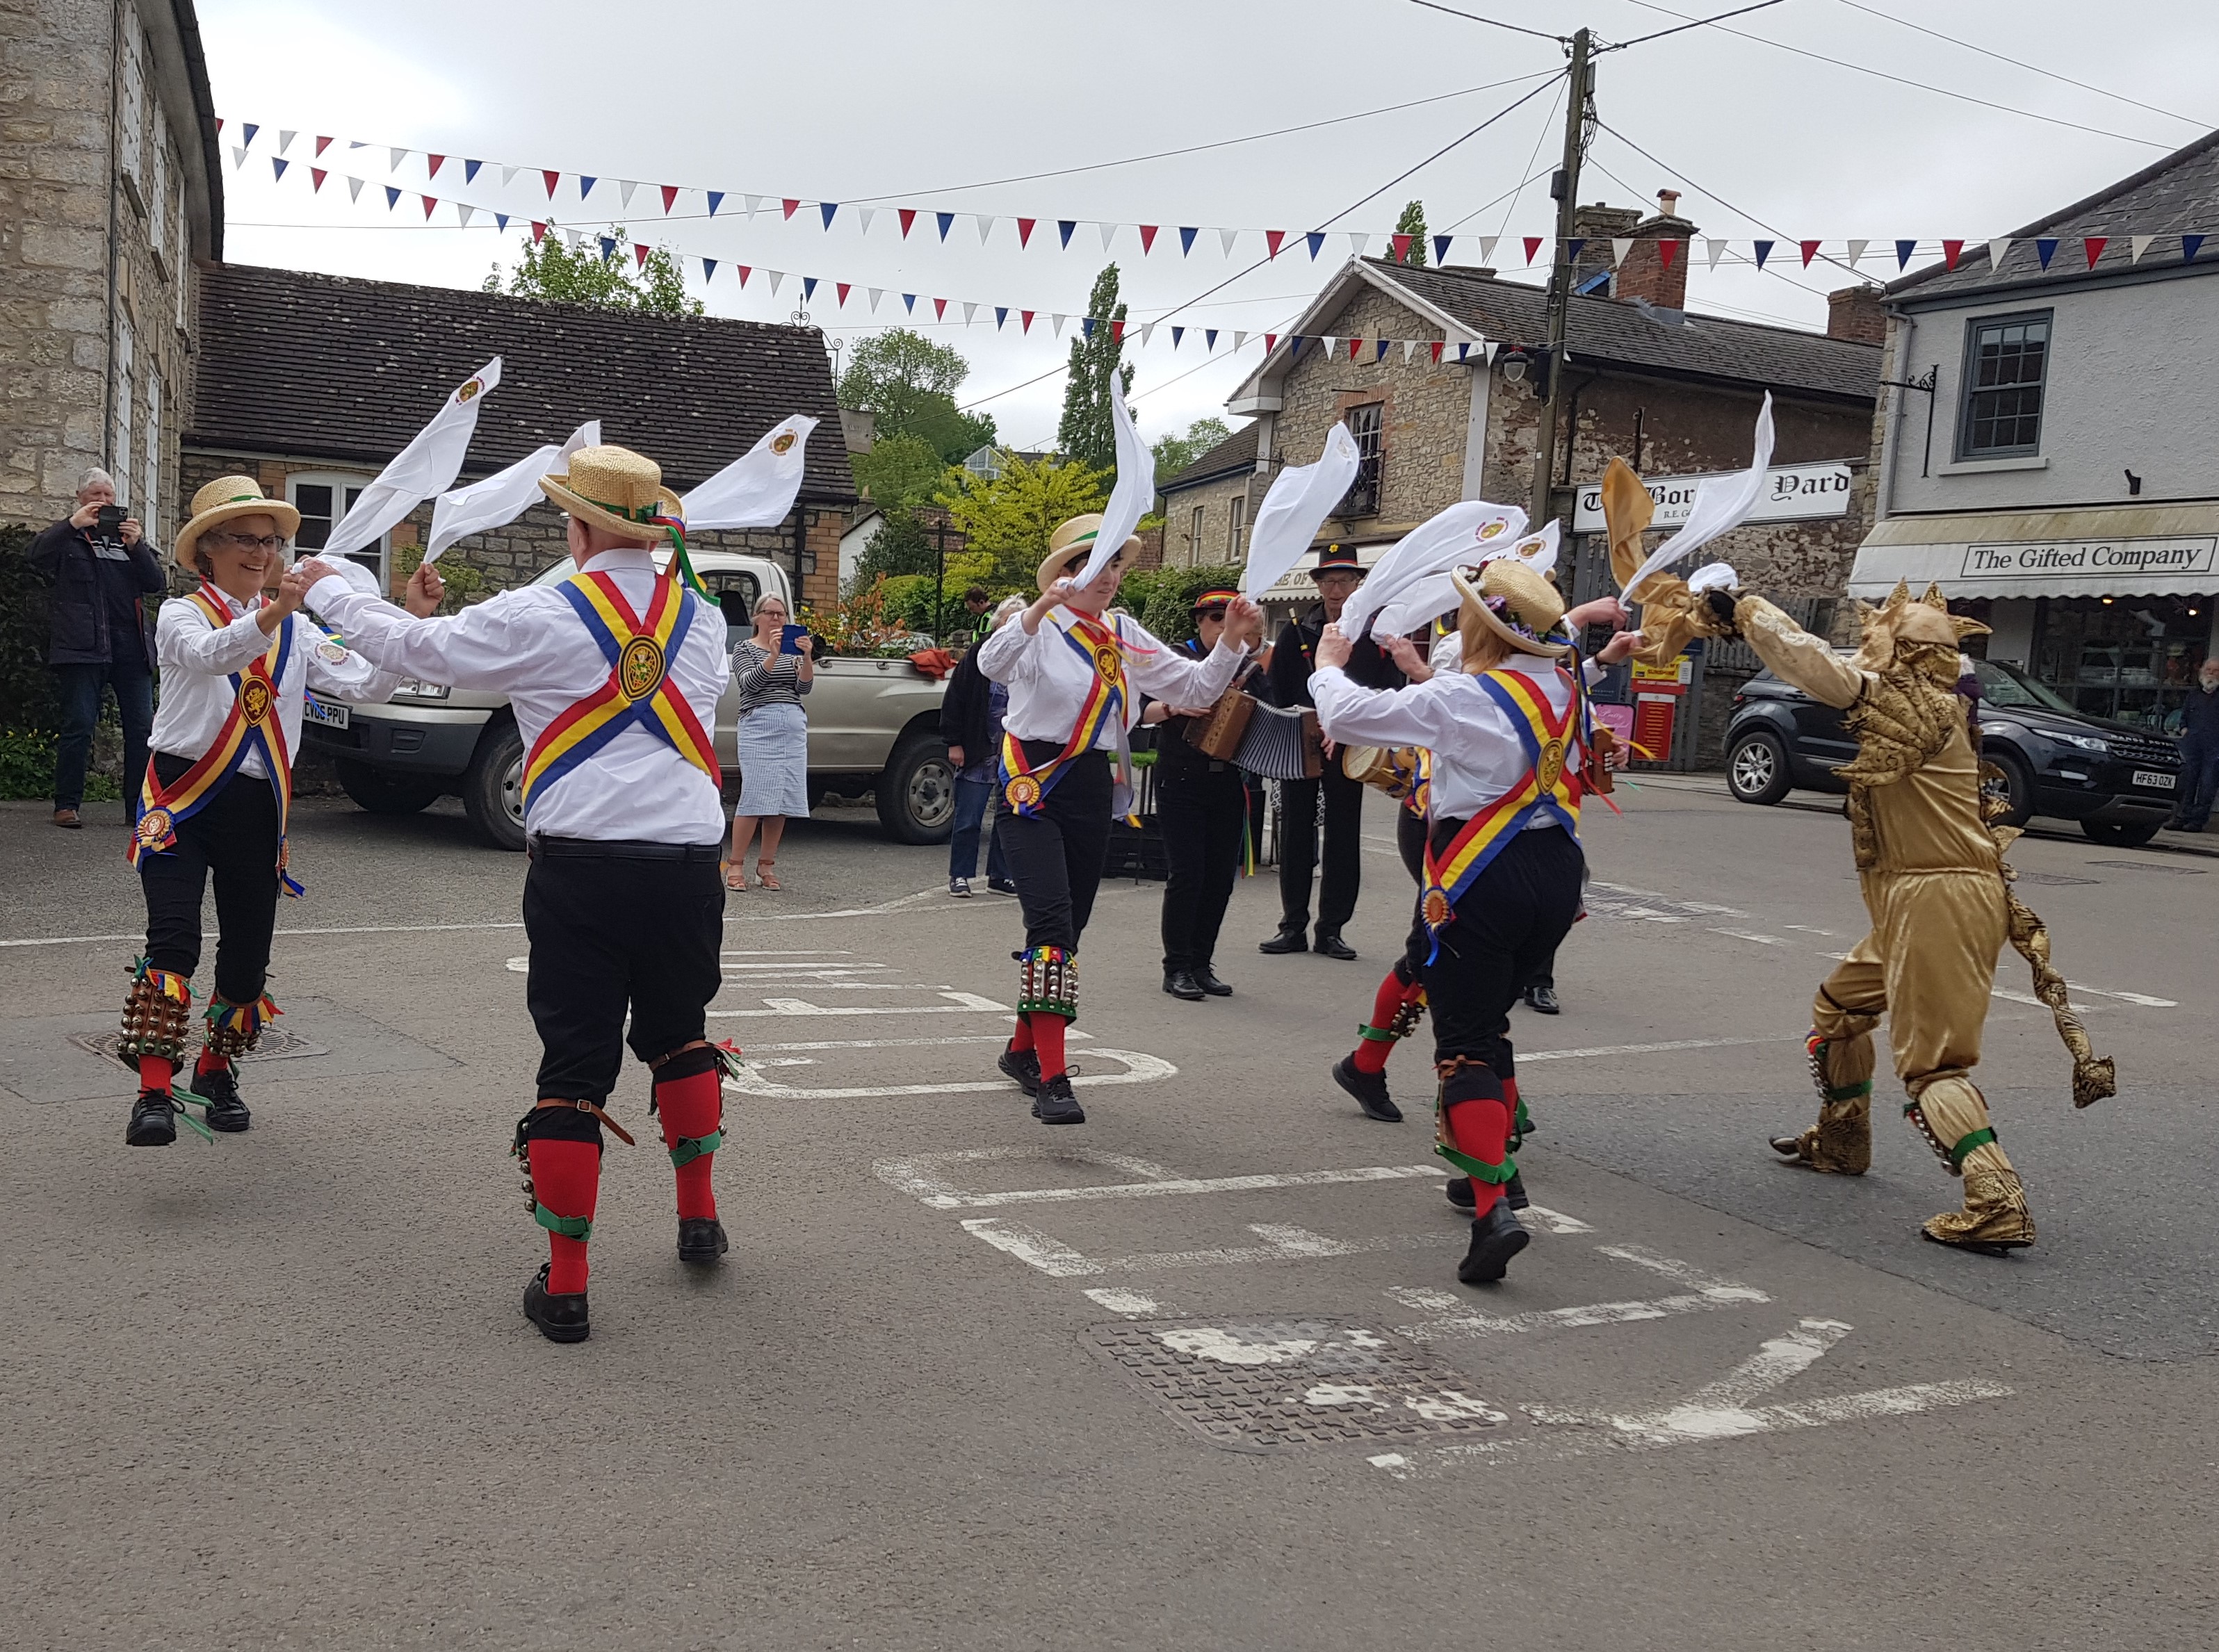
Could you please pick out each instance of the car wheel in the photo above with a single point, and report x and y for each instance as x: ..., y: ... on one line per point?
x: 1757, y: 768
x: 492, y: 790
x: 383, y: 794
x: 2006, y: 790
x: 917, y: 792
x: 2119, y: 834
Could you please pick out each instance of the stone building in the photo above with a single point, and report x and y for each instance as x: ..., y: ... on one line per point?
x: 311, y: 384
x: 109, y: 200
x: 1206, y: 506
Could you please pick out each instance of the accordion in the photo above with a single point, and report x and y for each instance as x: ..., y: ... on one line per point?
x: 1262, y: 739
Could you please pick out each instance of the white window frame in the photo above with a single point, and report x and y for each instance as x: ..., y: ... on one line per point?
x: 150, y: 497
x: 1194, y: 537
x: 119, y: 425
x: 158, y: 204
x: 131, y: 116
x: 377, y: 556
x: 1236, y: 527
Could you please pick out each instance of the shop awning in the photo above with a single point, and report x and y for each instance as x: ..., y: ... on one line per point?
x: 1296, y: 585
x: 2112, y: 552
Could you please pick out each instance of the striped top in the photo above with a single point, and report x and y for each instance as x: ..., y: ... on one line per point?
x: 765, y: 679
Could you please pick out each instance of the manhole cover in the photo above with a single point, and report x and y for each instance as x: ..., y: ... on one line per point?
x: 276, y: 1044
x: 1270, y: 1384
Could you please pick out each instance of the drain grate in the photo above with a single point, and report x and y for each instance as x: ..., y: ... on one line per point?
x: 1270, y: 1385
x: 276, y: 1044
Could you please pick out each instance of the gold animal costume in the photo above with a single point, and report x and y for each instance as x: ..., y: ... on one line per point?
x: 1935, y: 884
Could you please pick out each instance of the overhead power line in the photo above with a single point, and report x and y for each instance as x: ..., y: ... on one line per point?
x: 1494, y: 22
x: 1680, y: 28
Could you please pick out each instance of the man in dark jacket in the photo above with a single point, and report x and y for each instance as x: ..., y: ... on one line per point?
x: 2199, y: 752
x: 971, y: 724
x: 101, y: 570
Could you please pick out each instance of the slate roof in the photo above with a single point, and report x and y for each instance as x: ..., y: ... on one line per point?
x: 2179, y: 192
x: 328, y: 367
x: 1236, y: 453
x: 1705, y: 347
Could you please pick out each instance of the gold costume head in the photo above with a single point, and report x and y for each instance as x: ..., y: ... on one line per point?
x: 1919, y: 633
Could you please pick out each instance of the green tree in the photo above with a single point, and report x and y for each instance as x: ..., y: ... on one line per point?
x: 899, y: 470
x: 1412, y: 223
x: 549, y: 270
x: 1087, y: 433
x: 1175, y: 453
x: 902, y: 545
x: 910, y: 382
x: 1009, y: 516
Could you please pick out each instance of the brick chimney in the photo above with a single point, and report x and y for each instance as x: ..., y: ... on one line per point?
x: 1854, y: 313
x: 1596, y: 225
x: 1646, y: 272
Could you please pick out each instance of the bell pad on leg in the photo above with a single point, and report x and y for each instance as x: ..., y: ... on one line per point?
x: 235, y: 1029
x: 156, y: 1013
x: 1047, y: 982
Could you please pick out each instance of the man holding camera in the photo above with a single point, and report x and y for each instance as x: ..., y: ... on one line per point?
x: 101, y: 569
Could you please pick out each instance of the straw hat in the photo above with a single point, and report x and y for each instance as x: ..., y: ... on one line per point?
x: 617, y: 491
x: 1070, y: 545
x: 228, y: 497
x: 1512, y: 604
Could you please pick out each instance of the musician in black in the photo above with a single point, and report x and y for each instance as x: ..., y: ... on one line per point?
x: 1338, y: 574
x: 1202, y: 806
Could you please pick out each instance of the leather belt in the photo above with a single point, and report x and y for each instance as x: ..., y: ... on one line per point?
x: 624, y: 848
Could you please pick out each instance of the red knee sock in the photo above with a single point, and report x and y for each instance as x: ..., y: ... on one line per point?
x: 1372, y: 1053
x: 1482, y: 1128
x: 566, y: 1178
x: 210, y: 1062
x: 1021, y: 1039
x: 1048, y: 1043
x: 692, y: 1107
x: 155, y: 1071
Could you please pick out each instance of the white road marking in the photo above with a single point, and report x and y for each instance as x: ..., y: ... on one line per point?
x: 1128, y: 1302
x: 1552, y: 1222
x: 1456, y: 1316
x: 805, y: 952
x: 1071, y: 1035
x: 2128, y: 997
x: 1139, y: 1069
x: 1751, y: 934
x: 1527, y: 1055
x: 817, y: 982
x: 919, y: 1176
x: 1806, y: 929
x: 963, y: 1003
x: 949, y: 1200
x: 1281, y: 1243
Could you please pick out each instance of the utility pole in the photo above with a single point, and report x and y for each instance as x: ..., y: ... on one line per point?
x: 1578, y: 107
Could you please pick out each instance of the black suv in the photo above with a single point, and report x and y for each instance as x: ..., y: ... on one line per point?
x: 2116, y: 779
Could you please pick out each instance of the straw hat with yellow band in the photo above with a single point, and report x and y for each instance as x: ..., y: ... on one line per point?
x: 1070, y: 545
x: 1511, y: 604
x: 228, y: 497
x: 621, y: 492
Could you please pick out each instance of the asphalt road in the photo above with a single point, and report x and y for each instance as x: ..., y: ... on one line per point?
x: 1197, y: 1374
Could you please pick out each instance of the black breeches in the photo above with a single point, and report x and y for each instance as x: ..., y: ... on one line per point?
x: 1055, y: 857
x: 607, y: 934
x: 1299, y: 802
x: 233, y: 837
x: 1203, y: 815
x: 1507, y: 927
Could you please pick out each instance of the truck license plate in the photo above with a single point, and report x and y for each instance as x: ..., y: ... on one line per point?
x: 2143, y: 777
x: 332, y: 715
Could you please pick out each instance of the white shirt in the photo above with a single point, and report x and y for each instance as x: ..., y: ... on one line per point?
x: 1048, y: 679
x: 530, y: 644
x: 1478, y: 754
x: 198, y: 660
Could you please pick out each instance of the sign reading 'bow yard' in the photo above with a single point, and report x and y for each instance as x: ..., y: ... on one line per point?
x: 1792, y: 492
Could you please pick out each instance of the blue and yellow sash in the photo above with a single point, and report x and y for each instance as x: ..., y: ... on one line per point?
x: 253, y: 725
x: 1025, y: 786
x: 639, y: 691
x: 1552, y: 784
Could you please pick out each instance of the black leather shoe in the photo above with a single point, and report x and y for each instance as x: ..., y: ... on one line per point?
x: 224, y: 1111
x: 559, y: 1319
x: 1369, y: 1090
x: 1023, y: 1066
x: 1460, y: 1194
x: 1181, y: 983
x: 1206, y: 978
x: 701, y: 1239
x: 1331, y: 944
x: 1495, y: 1238
x: 1287, y: 940
x: 1055, y: 1104
x: 1542, y: 999
x: 153, y: 1120
x: 1513, y: 1191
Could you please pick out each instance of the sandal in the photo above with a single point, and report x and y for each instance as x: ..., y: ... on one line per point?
x: 734, y: 877
x: 763, y: 877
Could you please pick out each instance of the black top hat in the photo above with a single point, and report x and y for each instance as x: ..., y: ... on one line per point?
x: 1340, y: 558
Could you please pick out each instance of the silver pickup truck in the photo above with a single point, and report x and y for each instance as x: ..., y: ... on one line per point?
x: 874, y: 727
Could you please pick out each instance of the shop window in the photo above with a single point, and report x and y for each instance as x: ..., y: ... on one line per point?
x: 1367, y: 424
x: 2133, y: 658
x: 323, y: 499
x: 1236, y: 526
x: 2006, y: 365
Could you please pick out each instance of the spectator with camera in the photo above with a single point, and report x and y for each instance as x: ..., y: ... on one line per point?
x: 101, y: 567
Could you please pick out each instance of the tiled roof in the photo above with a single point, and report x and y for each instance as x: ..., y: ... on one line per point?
x: 324, y: 367
x: 1237, y: 452
x: 2180, y: 192
x: 1655, y: 340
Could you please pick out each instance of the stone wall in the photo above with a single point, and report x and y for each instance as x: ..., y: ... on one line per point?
x: 1182, y: 547
x: 93, y: 324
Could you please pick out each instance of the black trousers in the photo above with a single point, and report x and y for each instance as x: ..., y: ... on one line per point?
x: 608, y: 934
x: 1344, y: 849
x: 1055, y: 857
x: 234, y: 836
x: 1410, y: 844
x: 1202, y: 810
x: 1507, y: 926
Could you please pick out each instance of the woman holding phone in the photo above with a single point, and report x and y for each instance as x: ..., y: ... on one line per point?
x: 774, y: 667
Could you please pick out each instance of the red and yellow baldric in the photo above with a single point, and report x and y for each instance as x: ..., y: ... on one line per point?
x: 1553, y: 741
x: 639, y: 691
x: 253, y: 725
x: 1026, y: 787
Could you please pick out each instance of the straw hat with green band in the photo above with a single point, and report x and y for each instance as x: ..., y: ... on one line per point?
x: 1070, y: 545
x: 621, y: 492
x: 228, y: 497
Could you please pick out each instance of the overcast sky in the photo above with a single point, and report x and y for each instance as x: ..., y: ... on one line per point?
x: 926, y: 103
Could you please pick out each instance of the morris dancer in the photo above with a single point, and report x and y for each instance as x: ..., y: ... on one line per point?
x: 236, y: 668
x: 609, y: 673
x: 1070, y: 677
x: 1503, y: 863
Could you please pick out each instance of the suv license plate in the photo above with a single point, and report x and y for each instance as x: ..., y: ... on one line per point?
x: 332, y: 715
x: 2143, y: 777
